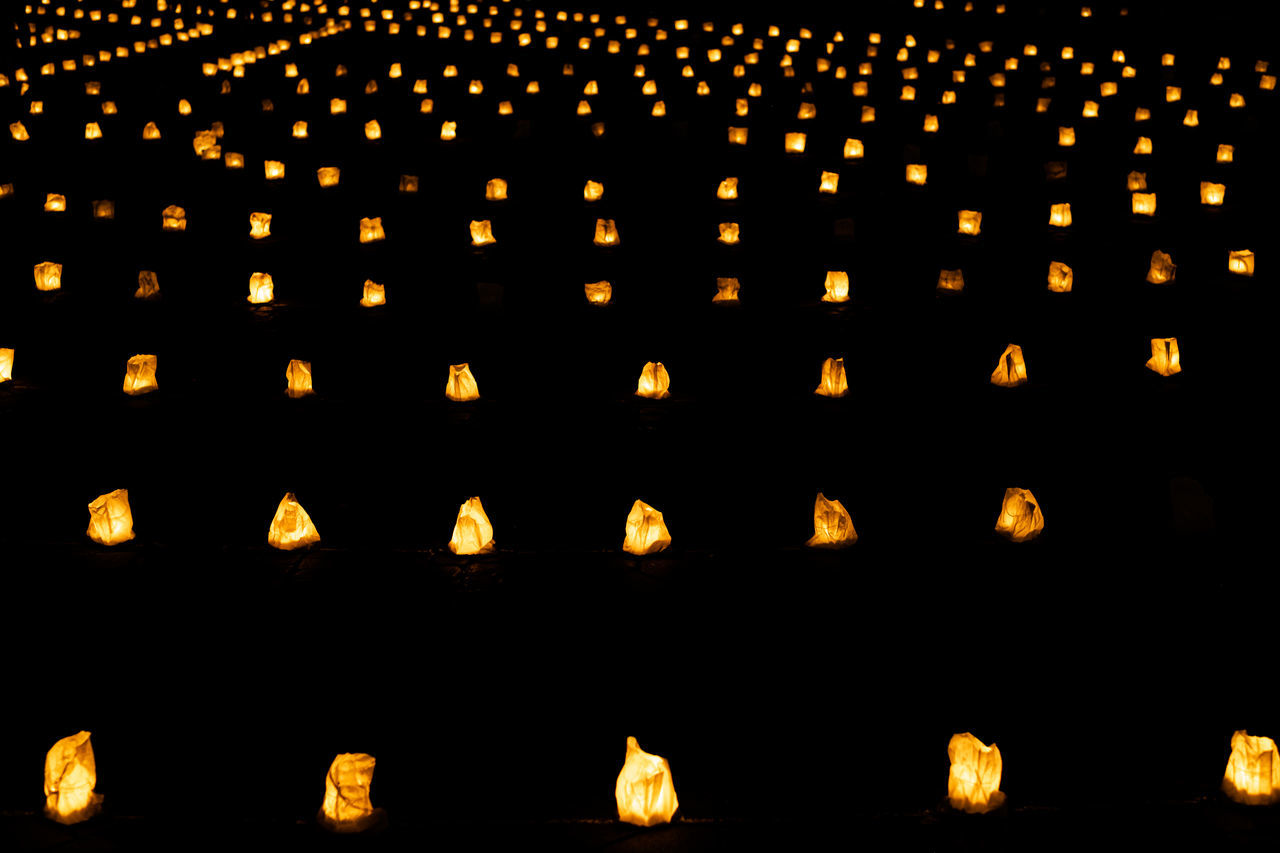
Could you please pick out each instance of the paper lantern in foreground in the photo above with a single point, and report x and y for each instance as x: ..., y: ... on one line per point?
x: 645, y: 793
x: 1020, y: 518
x: 1010, y: 370
x: 482, y: 233
x: 472, y: 532
x: 598, y: 292
x: 6, y: 364
x: 646, y: 531
x: 836, y: 286
x: 371, y: 230
x: 974, y: 782
x: 1164, y: 356
x: 140, y: 375
x: 1253, y: 770
x: 1240, y: 262
x: 328, y: 176
x: 832, y: 525
x: 110, y: 519
x: 346, y: 806
x: 48, y: 275
x: 261, y: 288
x: 834, y: 383
x: 654, y: 382
x: 1211, y: 193
x: 374, y: 294
x: 1162, y: 269
x: 1060, y: 215
x: 69, y: 776
x: 952, y: 280
x: 461, y: 385
x: 1060, y: 277
x: 1144, y: 204
x: 291, y: 527
x: 606, y: 233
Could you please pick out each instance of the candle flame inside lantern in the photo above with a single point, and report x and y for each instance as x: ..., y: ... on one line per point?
x: 70, y: 774
x: 1240, y: 262
x: 1060, y: 277
x: 969, y: 222
x: 6, y: 364
x: 1020, y: 519
x: 644, y: 790
x: 110, y: 519
x: 592, y: 191
x: 371, y: 230
x: 598, y: 292
x: 654, y: 382
x: 832, y: 525
x: 1164, y: 356
x: 853, y: 149
x: 273, y: 169
x: 48, y: 275
x: 606, y: 233
x: 1010, y: 370
x: 482, y: 233
x: 372, y: 130
x: 298, y: 377
x: 472, y: 532
x: 646, y: 531
x: 1144, y: 204
x: 259, y: 225
x: 461, y: 385
x: 291, y: 527
x: 726, y: 290
x: 952, y: 280
x: 174, y: 218
x: 918, y: 174
x: 140, y: 375
x: 1060, y: 215
x: 346, y: 806
x: 1253, y: 770
x: 728, y: 189
x: 374, y: 294
x: 836, y: 286
x: 973, y: 784
x: 834, y: 382
x: 1066, y: 136
x: 728, y: 233
x: 1162, y: 269
x: 793, y: 143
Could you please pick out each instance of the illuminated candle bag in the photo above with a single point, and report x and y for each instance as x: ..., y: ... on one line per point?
x: 140, y: 375
x: 259, y: 225
x: 952, y: 280
x: 346, y: 806
x: 110, y: 519
x: 496, y: 190
x: 606, y: 233
x: 461, y: 385
x: 6, y: 364
x: 1164, y: 356
x: 598, y: 292
x: 1253, y: 770
x: 174, y: 218
x: 482, y: 233
x: 645, y: 793
x: 261, y: 288
x: 969, y: 222
x: 646, y: 531
x: 69, y: 776
x: 1060, y: 215
x: 836, y: 286
x: 728, y: 233
x: 728, y: 189
x: 374, y: 294
x: 371, y: 230
x: 654, y: 382
x: 726, y: 290
x: 291, y: 527
x: 48, y: 275
x: 298, y: 378
x: 592, y: 191
x: 1211, y: 193
x: 973, y: 784
x: 834, y: 383
x: 472, y: 532
x: 148, y: 286
x: 1144, y: 204
x: 832, y: 525
x: 1240, y: 262
x: 1060, y: 277
x: 1020, y: 519
x: 1011, y: 370
x: 1162, y: 269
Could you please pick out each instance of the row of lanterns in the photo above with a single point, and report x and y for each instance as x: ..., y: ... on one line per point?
x: 644, y: 790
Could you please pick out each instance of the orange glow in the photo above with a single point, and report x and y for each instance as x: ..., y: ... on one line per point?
x: 259, y: 226
x: 371, y: 230
x: 832, y: 525
x: 794, y: 143
x: 853, y: 149
x: 55, y: 203
x: 374, y: 294
x: 70, y: 774
x: 1060, y: 277
x: 110, y: 521
x: 140, y: 375
x: 646, y: 532
x: 1060, y: 215
x: 973, y: 784
x: 1011, y: 370
x: 1144, y: 204
x: 291, y: 527
x: 598, y: 292
x: 6, y: 364
x: 952, y: 280
x: 969, y: 222
x: 606, y: 233
x: 496, y: 190
x: 837, y: 286
x: 834, y: 382
x: 482, y: 233
x: 1020, y: 519
x: 1240, y: 262
x: 48, y: 275
x: 654, y: 382
x: 1162, y: 268
x: 298, y: 377
x: 1164, y: 356
x: 592, y: 191
x: 1212, y: 194
x: 1253, y: 770
x: 728, y: 189
x: 346, y: 806
x: 726, y: 290
x: 461, y: 385
x: 328, y: 176
x: 644, y: 791
x: 472, y: 533
x: 728, y: 233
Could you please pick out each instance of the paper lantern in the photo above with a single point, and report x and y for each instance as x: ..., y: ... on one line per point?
x: 48, y: 275
x: 728, y: 189
x: 6, y: 364
x: 598, y: 292
x: 1060, y: 277
x: 726, y: 290
x: 728, y: 233
x: 110, y: 519
x: 150, y: 131
x: 1226, y: 153
x: 371, y: 230
x: 408, y: 183
x: 372, y: 130
x: 654, y: 382
x: 70, y: 774
x: 1011, y: 370
x: 104, y: 209
x: 1066, y: 136
x: 646, y: 531
x: 461, y: 385
x: 482, y: 233
x: 298, y: 378
x: 1144, y: 204
x: 833, y: 383
x: 291, y: 527
x: 1212, y: 194
x: 1137, y: 181
x: 1240, y: 262
x: 55, y: 203
x: 1060, y: 215
x: 917, y: 173
x: 606, y: 233
x: 299, y: 130
x: 1164, y: 356
x: 496, y: 190
x: 737, y: 135
x: 1142, y: 114
x: 832, y: 525
x: 374, y: 294
x: 1020, y: 519
x: 328, y: 176
x: 92, y: 130
x: 952, y: 280
x: 140, y: 375
x: 233, y: 160
x: 174, y: 218
x: 1253, y: 770
x: 793, y: 143
x: 346, y: 806
x: 970, y: 222
x: 1143, y: 146
x: 644, y: 790
x: 1191, y: 119
x: 836, y: 286
x: 1162, y: 268
x: 259, y: 225
x: 18, y: 132
x: 273, y: 169
x: 592, y: 191
x: 261, y: 288
x: 853, y: 149
x: 472, y: 532
x: 148, y: 286
x: 973, y: 784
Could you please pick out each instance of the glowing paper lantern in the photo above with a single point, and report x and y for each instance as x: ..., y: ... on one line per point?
x: 1240, y: 262
x: 1060, y: 215
x: 836, y: 286
x: 55, y: 203
x: 472, y: 532
x: 273, y: 169
x: 832, y: 525
x: 1253, y: 770
x: 728, y: 233
x: 1137, y: 181
x: 598, y: 292
x: 374, y: 294
x: 1060, y: 277
x: 1020, y: 519
x: 371, y: 230
x: 48, y: 275
x: 69, y: 776
x: 328, y: 176
x: 140, y: 375
x: 834, y: 382
x: 1164, y: 356
x: 737, y: 135
x: 917, y: 173
x: 1011, y: 370
x: 952, y: 280
x: 496, y: 190
x: 6, y: 364
x: 646, y: 531
x: 449, y: 130
x: 482, y: 233
x: 853, y: 149
x: 1212, y: 194
x: 654, y: 382
x: 1144, y: 204
x: 644, y: 790
x: 346, y: 806
x: 261, y: 288
x: 606, y: 233
x: 592, y: 191
x: 726, y: 290
x: 1162, y: 269
x: 291, y: 527
x: 259, y: 225
x: 969, y: 222
x: 298, y: 378
x: 1143, y: 146
x: 728, y: 189
x: 829, y: 182
x: 793, y: 143
x: 1226, y: 153
x: 110, y: 519
x: 973, y: 784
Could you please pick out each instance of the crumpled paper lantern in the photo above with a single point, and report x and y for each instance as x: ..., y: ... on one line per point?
x: 374, y: 294
x: 328, y: 176
x: 461, y: 385
x: 829, y: 182
x: 6, y: 364
x: 371, y: 230
x: 55, y: 203
x: 110, y: 519
x: 644, y: 790
x: 174, y: 218
x: 973, y: 784
x: 654, y: 382
x: 1240, y: 262
x: 1164, y: 356
x: 793, y: 143
x: 1253, y: 770
x: 1011, y: 370
x: 836, y: 286
x: 148, y: 285
x: 259, y: 225
x: 346, y: 806
x: 832, y: 525
x: 273, y: 170
x: 1060, y: 277
x: 1020, y: 519
x: 1060, y: 215
x: 592, y: 191
x: 298, y: 378
x: 1162, y: 269
x: 69, y: 776
x: 834, y: 382
x: 646, y: 531
x: 496, y: 190
x: 291, y: 527
x: 372, y: 130
x: 969, y: 222
x: 140, y: 375
x: 728, y: 189
x: 1211, y: 193
x: 48, y: 275
x: 598, y: 292
x: 952, y: 280
x: 482, y: 233
x: 1144, y: 204
x: 606, y: 233
x: 726, y: 290
x: 472, y: 532
x: 917, y: 174
x: 261, y: 288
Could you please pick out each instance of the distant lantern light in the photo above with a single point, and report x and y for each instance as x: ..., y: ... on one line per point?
x: 1060, y: 215
x: 1162, y: 268
x: 299, y: 130
x: 1137, y: 181
x: 1191, y: 119
x: 259, y: 225
x: 853, y: 149
x: 829, y: 182
x: 48, y: 275
x: 726, y: 290
x: 174, y: 218
x: 969, y: 222
x: 951, y: 280
x: 1144, y: 204
x: 592, y: 191
x: 737, y: 135
x: 793, y: 143
x: 374, y: 294
x: 1066, y: 136
x: 1143, y: 146
x: 496, y: 190
x: 273, y: 170
x: 606, y: 233
x: 1211, y: 193
x: 1226, y: 153
x: 449, y: 130
x: 482, y: 233
x: 598, y: 292
x: 328, y: 176
x: 371, y: 230
x: 55, y: 203
x: 372, y: 130
x: 728, y: 233
x: 148, y: 286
